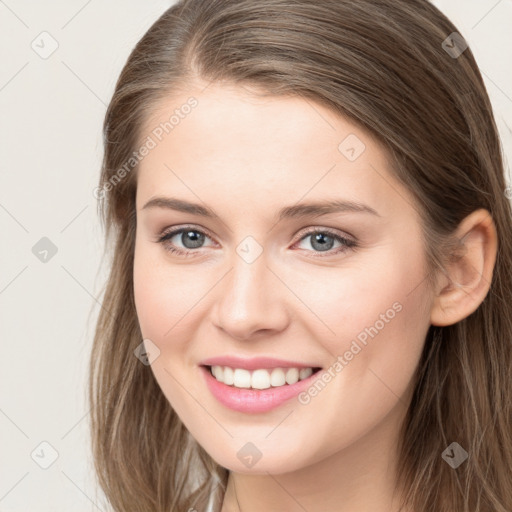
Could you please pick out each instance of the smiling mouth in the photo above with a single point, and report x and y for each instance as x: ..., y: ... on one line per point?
x: 262, y: 378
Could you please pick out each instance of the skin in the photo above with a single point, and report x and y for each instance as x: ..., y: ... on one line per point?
x: 246, y: 157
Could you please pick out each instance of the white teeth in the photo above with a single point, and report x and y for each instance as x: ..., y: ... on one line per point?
x: 218, y: 373
x: 241, y: 378
x: 277, y: 377
x: 261, y: 378
x: 304, y: 373
x: 228, y: 376
x: 292, y: 376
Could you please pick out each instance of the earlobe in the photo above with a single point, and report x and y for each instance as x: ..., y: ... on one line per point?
x: 467, y: 280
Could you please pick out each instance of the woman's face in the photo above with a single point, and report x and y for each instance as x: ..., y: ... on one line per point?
x: 341, y: 289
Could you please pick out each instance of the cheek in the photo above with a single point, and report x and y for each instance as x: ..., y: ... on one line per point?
x: 379, y: 301
x: 165, y: 296
x: 380, y: 319
x: 381, y: 305
x: 168, y: 298
x: 154, y: 292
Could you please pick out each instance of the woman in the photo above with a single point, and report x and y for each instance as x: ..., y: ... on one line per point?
x: 308, y: 304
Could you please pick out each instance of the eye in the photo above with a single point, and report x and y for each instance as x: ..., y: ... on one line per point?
x: 321, y: 240
x: 191, y: 239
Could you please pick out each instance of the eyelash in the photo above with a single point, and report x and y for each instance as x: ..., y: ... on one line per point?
x: 347, y: 244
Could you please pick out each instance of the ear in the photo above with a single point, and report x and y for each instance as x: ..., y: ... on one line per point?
x: 466, y: 281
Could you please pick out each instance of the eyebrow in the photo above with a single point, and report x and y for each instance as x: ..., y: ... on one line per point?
x: 314, y: 209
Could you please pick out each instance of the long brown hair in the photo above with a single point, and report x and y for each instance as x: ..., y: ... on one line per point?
x: 384, y: 64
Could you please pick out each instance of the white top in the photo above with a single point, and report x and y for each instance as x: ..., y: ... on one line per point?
x: 209, y: 507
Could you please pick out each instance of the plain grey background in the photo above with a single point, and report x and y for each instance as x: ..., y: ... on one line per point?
x: 52, y: 109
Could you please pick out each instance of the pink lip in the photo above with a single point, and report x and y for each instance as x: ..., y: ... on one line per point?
x: 253, y: 363
x: 253, y: 400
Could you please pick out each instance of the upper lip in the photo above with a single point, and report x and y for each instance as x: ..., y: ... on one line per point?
x: 254, y: 363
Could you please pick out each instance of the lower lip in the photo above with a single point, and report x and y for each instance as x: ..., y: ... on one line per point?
x: 254, y: 400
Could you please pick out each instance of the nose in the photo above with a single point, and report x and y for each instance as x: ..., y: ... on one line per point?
x: 251, y: 301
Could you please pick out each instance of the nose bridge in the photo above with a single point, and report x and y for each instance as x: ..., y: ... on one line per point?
x: 249, y: 298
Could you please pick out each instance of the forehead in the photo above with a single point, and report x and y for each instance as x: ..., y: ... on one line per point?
x: 234, y: 142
